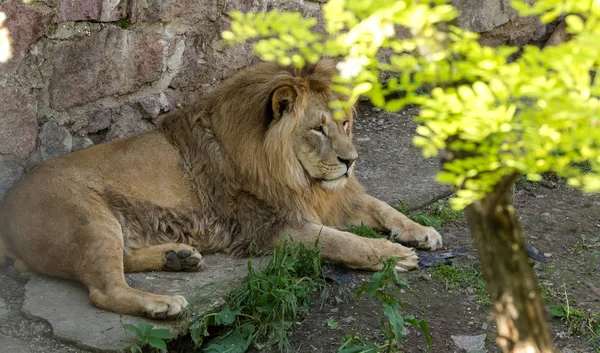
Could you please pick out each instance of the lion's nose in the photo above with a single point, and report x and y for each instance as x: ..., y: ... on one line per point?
x: 347, y: 162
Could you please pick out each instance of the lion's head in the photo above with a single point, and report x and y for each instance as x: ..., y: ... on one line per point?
x: 275, y: 123
x: 321, y: 144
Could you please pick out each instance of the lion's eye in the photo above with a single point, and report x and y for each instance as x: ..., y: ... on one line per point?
x: 319, y: 130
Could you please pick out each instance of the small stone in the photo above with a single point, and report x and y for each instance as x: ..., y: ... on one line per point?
x: 547, y: 254
x: 376, y: 110
x: 348, y: 319
x: 381, y: 121
x: 10, y: 172
x: 128, y: 122
x: 470, y: 343
x: 546, y: 214
x: 80, y: 142
x: 484, y: 326
x: 334, y: 310
x: 98, y: 120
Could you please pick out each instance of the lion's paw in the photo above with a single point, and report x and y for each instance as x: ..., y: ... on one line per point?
x: 166, y: 307
x: 406, y: 258
x: 418, y: 236
x: 189, y: 260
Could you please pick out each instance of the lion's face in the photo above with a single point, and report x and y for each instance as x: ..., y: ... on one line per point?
x: 324, y: 147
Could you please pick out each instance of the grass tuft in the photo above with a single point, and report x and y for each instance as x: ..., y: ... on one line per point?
x: 270, y: 302
x: 463, y: 277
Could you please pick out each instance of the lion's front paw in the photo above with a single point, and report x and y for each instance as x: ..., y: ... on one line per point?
x: 406, y: 258
x: 166, y: 307
x: 183, y: 260
x: 418, y: 236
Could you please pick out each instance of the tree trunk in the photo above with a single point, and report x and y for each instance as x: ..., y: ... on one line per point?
x: 515, y: 294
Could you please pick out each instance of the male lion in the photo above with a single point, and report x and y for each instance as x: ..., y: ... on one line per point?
x: 260, y: 156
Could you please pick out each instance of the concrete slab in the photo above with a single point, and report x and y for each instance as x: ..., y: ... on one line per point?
x: 13, y: 345
x: 389, y: 166
x: 66, y: 307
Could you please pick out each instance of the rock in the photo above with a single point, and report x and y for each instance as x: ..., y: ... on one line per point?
x: 65, y: 305
x: 54, y: 141
x: 483, y: 15
x: 190, y: 12
x: 13, y: 345
x: 156, y: 104
x: 10, y: 172
x: 98, y: 120
x: 548, y: 254
x: 25, y: 25
x: 83, y: 74
x: 91, y: 10
x: 18, y: 124
x: 470, y: 343
x: 80, y: 142
x: 194, y: 70
x: 517, y: 32
x: 128, y: 122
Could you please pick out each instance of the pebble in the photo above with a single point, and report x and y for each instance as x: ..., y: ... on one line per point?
x: 376, y: 110
x: 546, y: 214
x: 470, y: 343
x: 548, y: 254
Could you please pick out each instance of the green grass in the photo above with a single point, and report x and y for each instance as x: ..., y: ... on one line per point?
x: 366, y: 231
x: 463, y: 277
x: 579, y: 323
x: 437, y: 215
x: 270, y: 302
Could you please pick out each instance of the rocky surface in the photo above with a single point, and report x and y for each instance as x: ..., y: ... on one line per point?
x: 66, y: 307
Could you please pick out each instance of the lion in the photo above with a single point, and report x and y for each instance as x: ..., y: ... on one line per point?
x: 258, y: 157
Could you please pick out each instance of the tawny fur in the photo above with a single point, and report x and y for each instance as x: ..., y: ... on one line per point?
x: 258, y: 157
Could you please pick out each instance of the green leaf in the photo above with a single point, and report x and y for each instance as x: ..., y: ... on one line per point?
x: 161, y: 333
x: 157, y: 343
x: 133, y: 329
x: 226, y: 316
x: 391, y: 310
x: 235, y: 341
x: 371, y: 348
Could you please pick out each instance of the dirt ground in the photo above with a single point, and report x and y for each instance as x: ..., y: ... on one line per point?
x: 553, y: 221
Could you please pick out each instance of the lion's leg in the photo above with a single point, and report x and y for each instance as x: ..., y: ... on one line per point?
x: 163, y: 257
x: 378, y: 214
x: 100, y: 268
x: 352, y: 250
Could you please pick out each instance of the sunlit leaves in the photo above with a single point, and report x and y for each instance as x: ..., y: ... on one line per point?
x: 487, y: 113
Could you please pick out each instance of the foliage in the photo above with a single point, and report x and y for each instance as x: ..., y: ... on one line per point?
x: 147, y: 336
x: 269, y: 303
x: 438, y: 215
x: 466, y: 276
x: 385, y: 285
x: 491, y: 115
x: 579, y: 323
x: 365, y: 231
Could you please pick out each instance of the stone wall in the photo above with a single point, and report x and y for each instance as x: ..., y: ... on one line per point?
x: 88, y: 71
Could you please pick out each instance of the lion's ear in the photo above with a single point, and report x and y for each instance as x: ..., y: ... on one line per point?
x: 282, y: 101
